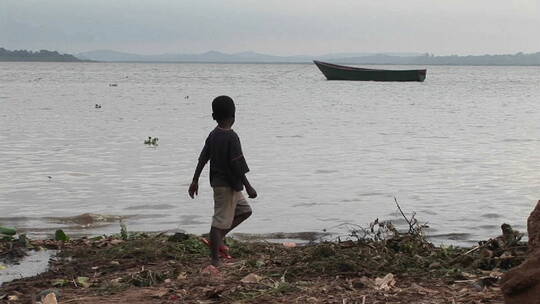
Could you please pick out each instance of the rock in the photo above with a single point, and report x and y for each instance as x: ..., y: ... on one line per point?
x: 533, y: 227
x: 521, y: 285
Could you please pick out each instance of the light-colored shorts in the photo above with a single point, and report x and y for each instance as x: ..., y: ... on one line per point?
x: 228, y: 204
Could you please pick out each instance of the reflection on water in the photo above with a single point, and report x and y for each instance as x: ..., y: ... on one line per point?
x: 34, y: 263
x: 460, y: 149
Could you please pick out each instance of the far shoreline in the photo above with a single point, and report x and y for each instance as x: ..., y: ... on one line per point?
x: 272, y: 63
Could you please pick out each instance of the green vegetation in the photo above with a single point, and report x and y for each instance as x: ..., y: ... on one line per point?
x: 378, y: 261
x: 7, y: 231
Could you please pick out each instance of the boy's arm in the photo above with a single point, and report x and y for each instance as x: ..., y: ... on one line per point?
x: 203, y: 159
x: 239, y: 165
x: 249, y: 189
x: 194, y: 187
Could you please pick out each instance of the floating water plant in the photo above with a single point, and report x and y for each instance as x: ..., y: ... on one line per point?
x: 60, y: 235
x: 151, y: 141
x: 7, y: 231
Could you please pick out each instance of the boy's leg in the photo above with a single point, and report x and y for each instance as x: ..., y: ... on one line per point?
x: 241, y: 213
x: 216, y: 238
x: 238, y: 219
x: 224, y: 211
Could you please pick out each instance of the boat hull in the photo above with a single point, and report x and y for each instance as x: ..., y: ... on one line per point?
x: 340, y: 72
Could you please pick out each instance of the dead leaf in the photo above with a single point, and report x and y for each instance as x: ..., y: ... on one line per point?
x: 116, y: 242
x: 160, y: 293
x: 60, y: 282
x: 385, y: 283
x: 251, y: 279
x: 182, y: 276
x: 49, y: 299
x: 422, y: 289
x: 210, y: 270
x: 83, y: 281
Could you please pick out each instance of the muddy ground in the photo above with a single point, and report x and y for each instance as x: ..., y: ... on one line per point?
x: 396, y: 268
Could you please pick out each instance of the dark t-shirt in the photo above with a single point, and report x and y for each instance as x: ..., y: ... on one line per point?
x: 227, y: 163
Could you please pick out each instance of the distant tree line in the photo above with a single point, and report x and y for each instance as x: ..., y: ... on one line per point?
x: 42, y: 55
x: 430, y: 59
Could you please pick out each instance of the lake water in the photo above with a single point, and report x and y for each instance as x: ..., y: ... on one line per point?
x: 462, y: 149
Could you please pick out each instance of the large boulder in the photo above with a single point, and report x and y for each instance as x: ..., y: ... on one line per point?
x: 521, y: 285
x: 533, y: 228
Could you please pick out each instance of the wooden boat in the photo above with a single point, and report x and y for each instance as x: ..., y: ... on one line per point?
x: 341, y: 72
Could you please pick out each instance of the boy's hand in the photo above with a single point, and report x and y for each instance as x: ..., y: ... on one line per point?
x: 193, y: 190
x: 251, y: 192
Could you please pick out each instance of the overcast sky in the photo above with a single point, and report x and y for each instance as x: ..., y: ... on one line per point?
x: 284, y: 27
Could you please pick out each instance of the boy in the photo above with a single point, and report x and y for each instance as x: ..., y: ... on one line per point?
x: 227, y: 177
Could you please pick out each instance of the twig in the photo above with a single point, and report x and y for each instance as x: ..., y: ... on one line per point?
x: 363, y: 299
x: 76, y: 300
x: 475, y: 248
x: 471, y: 250
x: 411, y: 227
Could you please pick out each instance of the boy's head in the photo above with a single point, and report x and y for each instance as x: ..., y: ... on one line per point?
x: 223, y: 108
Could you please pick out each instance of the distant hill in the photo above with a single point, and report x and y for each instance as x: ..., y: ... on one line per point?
x: 344, y: 58
x: 42, y: 55
x: 211, y: 56
x: 215, y: 56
